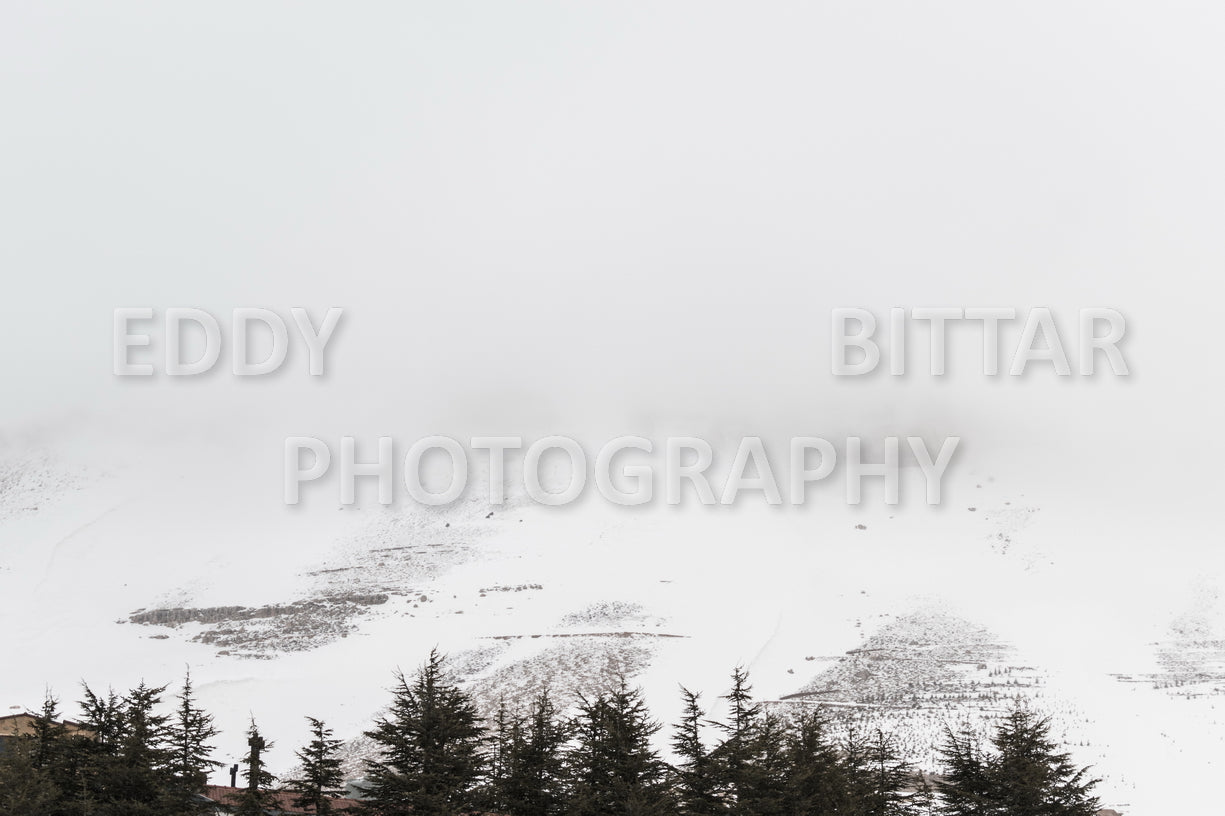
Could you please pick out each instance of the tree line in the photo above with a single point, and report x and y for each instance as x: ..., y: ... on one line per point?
x: 434, y: 754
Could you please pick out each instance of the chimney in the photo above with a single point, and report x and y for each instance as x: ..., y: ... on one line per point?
x: 233, y: 776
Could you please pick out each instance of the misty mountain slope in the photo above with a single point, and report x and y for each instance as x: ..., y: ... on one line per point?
x: 920, y: 671
x: 34, y: 479
x: 393, y: 557
x: 902, y: 617
x: 915, y: 659
x: 1190, y: 654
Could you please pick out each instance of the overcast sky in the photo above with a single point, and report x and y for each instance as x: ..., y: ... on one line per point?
x: 617, y: 217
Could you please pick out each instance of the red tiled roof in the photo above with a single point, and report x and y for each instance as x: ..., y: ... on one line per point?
x: 225, y: 795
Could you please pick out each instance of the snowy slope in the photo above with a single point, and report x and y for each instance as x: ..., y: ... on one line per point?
x: 906, y: 616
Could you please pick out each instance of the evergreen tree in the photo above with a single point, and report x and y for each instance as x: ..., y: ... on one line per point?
x: 749, y: 761
x: 49, y: 736
x: 923, y: 800
x: 881, y: 782
x: 527, y: 773
x: 130, y: 759
x: 1031, y: 777
x: 694, y: 774
x: 612, y: 767
x: 764, y: 787
x: 188, y: 736
x: 734, y: 753
x: 135, y: 775
x: 1024, y: 775
x: 28, y: 766
x: 103, y: 717
x: 117, y: 765
x: 257, y: 796
x: 497, y: 766
x: 743, y: 714
x: 816, y: 780
x: 429, y: 745
x: 965, y: 789
x: 25, y: 789
x: 321, y: 779
x: 73, y: 760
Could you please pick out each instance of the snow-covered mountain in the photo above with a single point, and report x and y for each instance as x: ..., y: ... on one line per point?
x: 603, y: 219
x: 907, y: 616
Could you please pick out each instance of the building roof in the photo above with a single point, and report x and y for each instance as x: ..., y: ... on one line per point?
x: 21, y: 724
x: 228, y: 797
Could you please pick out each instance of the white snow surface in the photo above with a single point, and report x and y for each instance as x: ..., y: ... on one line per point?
x: 1079, y: 613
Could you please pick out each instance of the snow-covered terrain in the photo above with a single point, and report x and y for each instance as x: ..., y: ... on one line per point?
x: 610, y: 219
x: 910, y: 617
